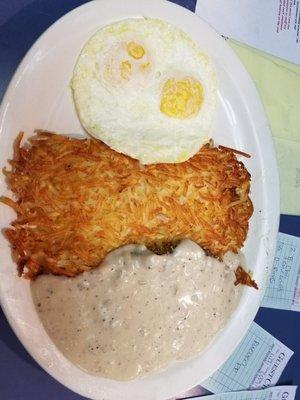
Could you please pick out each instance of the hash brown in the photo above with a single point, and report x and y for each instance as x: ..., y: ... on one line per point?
x: 77, y: 199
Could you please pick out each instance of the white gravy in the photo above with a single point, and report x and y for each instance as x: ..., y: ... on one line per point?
x: 138, y: 312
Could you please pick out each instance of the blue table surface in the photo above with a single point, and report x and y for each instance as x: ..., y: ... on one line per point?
x: 21, y: 378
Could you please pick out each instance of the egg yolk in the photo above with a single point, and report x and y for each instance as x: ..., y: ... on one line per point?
x: 181, y: 98
x: 125, y: 69
x: 135, y: 50
x: 124, y: 63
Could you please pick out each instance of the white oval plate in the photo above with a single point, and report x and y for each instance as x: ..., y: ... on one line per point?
x: 39, y: 96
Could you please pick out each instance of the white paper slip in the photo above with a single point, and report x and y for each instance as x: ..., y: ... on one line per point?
x: 283, y: 290
x: 257, y: 363
x: 269, y: 25
x: 272, y: 393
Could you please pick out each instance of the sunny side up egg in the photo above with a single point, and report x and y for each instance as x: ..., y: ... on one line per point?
x: 144, y: 88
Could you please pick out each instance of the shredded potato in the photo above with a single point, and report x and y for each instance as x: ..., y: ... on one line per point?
x: 243, y: 278
x: 77, y: 199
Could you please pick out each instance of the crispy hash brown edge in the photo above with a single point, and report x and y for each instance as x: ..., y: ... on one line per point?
x: 77, y: 199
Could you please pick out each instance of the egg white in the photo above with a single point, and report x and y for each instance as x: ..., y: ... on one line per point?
x: 125, y: 113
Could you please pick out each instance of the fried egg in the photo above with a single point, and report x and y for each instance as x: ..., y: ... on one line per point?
x: 144, y: 88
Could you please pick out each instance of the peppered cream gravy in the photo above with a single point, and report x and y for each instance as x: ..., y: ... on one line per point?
x: 138, y: 312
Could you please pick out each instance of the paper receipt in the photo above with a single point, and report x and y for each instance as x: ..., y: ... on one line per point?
x: 283, y: 290
x: 273, y: 393
x: 271, y: 26
x: 257, y: 363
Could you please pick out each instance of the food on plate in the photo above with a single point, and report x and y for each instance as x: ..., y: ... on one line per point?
x: 77, y: 200
x: 243, y: 278
x: 139, y: 311
x: 144, y: 88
